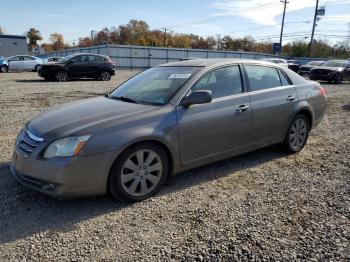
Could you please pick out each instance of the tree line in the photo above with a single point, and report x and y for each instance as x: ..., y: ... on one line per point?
x: 137, y: 32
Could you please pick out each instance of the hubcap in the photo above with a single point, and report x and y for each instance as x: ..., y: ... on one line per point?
x: 141, y: 172
x: 105, y: 76
x: 298, y: 134
x: 61, y: 76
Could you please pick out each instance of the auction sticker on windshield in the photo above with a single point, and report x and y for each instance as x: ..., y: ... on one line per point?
x: 182, y: 76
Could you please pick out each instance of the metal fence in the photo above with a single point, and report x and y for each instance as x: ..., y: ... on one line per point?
x: 144, y: 57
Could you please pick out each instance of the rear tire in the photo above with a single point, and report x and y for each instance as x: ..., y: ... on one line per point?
x: 105, y: 76
x: 297, y: 134
x: 138, y: 173
x: 61, y: 76
x: 37, y: 68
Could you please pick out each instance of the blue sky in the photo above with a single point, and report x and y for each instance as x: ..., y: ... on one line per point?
x: 258, y: 18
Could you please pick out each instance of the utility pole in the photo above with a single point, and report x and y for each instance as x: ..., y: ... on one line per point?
x: 164, y: 41
x: 313, y: 28
x: 284, y: 14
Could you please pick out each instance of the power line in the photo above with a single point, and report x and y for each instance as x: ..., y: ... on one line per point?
x: 267, y: 26
x: 220, y: 17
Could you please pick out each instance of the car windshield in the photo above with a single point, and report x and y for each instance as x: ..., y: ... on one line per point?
x: 335, y: 63
x: 66, y: 58
x: 154, y: 86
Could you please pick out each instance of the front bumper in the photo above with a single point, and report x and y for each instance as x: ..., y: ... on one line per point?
x: 73, y: 177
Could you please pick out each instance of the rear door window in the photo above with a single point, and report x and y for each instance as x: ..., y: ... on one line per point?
x: 262, y: 77
x: 96, y: 59
x: 221, y: 82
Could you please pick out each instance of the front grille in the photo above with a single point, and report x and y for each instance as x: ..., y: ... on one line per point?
x: 27, y: 142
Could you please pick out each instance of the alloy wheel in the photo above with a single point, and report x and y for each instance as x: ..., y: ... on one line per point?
x: 61, y: 76
x: 141, y: 172
x: 105, y: 76
x: 298, y: 134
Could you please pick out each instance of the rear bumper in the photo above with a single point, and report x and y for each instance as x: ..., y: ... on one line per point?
x: 63, y: 177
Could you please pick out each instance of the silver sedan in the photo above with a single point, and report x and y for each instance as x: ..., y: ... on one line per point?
x: 163, y: 121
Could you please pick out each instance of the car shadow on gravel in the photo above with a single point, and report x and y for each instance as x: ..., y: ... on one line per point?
x: 24, y: 212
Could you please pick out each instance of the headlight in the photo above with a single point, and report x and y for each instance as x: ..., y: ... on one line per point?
x: 69, y: 146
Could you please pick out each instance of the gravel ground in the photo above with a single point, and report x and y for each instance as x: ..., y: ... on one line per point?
x: 265, y: 205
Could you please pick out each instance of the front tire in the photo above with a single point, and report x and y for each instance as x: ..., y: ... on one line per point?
x: 297, y: 134
x: 105, y: 76
x: 4, y: 69
x: 138, y: 173
x: 61, y: 76
x: 338, y: 79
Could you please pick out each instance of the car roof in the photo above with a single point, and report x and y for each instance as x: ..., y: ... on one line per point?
x: 76, y: 54
x: 212, y: 62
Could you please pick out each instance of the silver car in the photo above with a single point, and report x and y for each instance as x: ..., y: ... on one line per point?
x: 24, y: 63
x: 163, y: 121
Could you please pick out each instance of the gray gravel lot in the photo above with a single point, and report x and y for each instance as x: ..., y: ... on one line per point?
x: 265, y: 205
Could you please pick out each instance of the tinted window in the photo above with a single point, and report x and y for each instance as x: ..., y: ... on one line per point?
x: 75, y: 59
x: 94, y: 58
x: 84, y: 58
x: 262, y: 77
x: 221, y: 82
x: 283, y: 78
x: 28, y: 58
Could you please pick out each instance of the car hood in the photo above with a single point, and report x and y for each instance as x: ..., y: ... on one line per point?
x: 87, y: 116
x: 329, y: 68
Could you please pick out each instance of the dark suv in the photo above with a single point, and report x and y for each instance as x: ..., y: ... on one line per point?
x: 79, y: 66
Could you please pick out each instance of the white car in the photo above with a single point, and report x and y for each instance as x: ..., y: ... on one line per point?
x: 279, y: 61
x: 24, y: 63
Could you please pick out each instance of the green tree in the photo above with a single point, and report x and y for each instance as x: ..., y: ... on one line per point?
x: 33, y: 36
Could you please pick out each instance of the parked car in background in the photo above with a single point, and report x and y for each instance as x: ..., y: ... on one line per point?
x: 163, y: 121
x: 278, y: 61
x: 332, y: 71
x: 3, y: 64
x: 79, y: 66
x: 305, y: 69
x: 53, y: 58
x: 24, y: 63
x: 49, y: 60
x: 293, y: 65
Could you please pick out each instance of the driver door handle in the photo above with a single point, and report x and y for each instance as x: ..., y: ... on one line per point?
x: 242, y: 108
x: 290, y: 98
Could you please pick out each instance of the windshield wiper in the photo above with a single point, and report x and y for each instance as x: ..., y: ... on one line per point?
x: 124, y: 99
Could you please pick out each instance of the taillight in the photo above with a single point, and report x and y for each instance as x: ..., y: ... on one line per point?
x: 110, y: 61
x: 322, y: 91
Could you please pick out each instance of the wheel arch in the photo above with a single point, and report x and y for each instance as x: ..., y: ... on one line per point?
x: 168, y: 152
x: 306, y: 112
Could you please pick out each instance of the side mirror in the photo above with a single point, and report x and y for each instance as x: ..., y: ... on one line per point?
x: 197, y: 97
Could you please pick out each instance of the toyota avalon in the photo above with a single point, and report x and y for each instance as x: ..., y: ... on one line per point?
x: 163, y: 121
